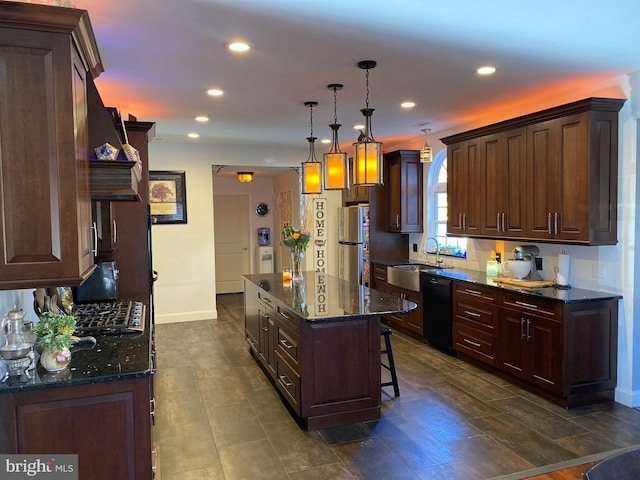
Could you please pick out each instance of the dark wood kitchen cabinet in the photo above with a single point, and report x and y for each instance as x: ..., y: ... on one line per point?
x: 107, y: 424
x: 410, y: 322
x: 571, y: 166
x: 503, y: 200
x: 475, y: 321
x: 260, y: 325
x: 403, y: 182
x: 465, y: 165
x: 47, y: 230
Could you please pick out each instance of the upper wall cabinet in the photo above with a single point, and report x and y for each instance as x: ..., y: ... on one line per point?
x: 403, y: 181
x: 46, y: 232
x: 549, y: 176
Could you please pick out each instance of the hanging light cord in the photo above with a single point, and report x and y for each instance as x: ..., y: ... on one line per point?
x: 335, y: 105
x: 311, y: 117
x: 367, y: 90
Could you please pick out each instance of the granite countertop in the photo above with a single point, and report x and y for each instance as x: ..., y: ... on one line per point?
x: 323, y: 297
x: 571, y: 295
x: 114, y: 357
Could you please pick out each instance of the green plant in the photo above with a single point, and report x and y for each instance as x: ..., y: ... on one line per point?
x: 295, y: 238
x: 55, y: 331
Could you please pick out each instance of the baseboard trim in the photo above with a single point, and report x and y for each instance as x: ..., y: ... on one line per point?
x: 186, y: 316
x: 630, y: 398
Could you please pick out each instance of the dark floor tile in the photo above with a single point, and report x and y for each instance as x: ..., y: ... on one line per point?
x: 371, y: 459
x: 251, y: 460
x: 526, y: 442
x: 614, y: 428
x: 269, y: 408
x: 587, y: 444
x: 356, y: 432
x: 538, y: 418
x: 299, y: 450
x: 188, y: 447
x: 324, y: 472
x: 479, y: 387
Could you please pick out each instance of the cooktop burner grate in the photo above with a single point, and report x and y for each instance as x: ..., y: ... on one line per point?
x: 109, y: 317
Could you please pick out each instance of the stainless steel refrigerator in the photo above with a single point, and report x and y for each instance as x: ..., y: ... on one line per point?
x: 353, y: 244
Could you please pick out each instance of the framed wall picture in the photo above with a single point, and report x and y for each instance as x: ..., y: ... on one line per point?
x: 167, y: 197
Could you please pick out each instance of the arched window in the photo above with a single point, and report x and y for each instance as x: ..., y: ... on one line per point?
x: 437, y: 209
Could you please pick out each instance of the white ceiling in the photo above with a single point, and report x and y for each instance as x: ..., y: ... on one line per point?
x: 160, y: 56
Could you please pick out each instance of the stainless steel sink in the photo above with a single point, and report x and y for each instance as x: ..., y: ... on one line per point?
x: 405, y: 276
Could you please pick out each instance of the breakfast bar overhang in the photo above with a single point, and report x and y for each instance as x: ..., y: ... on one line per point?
x: 318, y: 341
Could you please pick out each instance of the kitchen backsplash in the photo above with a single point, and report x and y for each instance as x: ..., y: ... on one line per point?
x: 591, y: 267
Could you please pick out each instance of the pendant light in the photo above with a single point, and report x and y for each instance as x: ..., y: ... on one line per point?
x: 367, y: 153
x: 426, y: 153
x: 312, y: 168
x: 336, y: 162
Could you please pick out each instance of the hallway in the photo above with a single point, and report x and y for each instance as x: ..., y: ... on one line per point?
x: 218, y: 417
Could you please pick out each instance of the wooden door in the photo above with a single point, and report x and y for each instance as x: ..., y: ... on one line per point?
x: 456, y: 190
x: 231, y: 227
x: 545, y: 353
x: 493, y: 202
x: 513, y: 342
x: 572, y: 179
x: 514, y: 178
x: 393, y: 183
x: 541, y: 179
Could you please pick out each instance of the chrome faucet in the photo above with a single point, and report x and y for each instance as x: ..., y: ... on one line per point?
x: 427, y: 252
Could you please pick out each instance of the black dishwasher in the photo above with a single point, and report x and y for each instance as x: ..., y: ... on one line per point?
x: 437, y: 316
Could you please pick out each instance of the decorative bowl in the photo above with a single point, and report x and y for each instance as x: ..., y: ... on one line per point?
x: 106, y: 152
x: 517, y: 268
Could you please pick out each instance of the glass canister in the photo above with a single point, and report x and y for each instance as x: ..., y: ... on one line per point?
x: 19, y: 341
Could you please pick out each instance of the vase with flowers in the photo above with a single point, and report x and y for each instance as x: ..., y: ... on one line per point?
x: 55, y: 335
x: 297, y: 240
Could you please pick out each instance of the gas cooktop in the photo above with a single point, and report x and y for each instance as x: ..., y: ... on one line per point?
x: 109, y: 318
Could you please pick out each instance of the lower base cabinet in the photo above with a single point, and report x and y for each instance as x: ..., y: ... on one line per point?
x: 108, y: 425
x: 566, y: 352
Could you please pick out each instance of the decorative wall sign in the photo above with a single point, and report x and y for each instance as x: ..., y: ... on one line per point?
x: 320, y: 255
x: 167, y: 197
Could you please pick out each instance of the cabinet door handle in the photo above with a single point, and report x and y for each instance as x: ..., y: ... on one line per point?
x: 115, y: 232
x: 503, y: 222
x: 464, y: 221
x: 522, y: 327
x: 549, y: 223
x: 397, y: 220
x: 528, y: 329
x: 472, y: 314
x: 460, y: 220
x: 266, y: 318
x: 94, y: 227
x: 466, y: 340
x: 286, y: 344
x: 555, y: 222
x: 285, y: 381
x: 524, y: 304
x: 498, y: 221
x: 152, y: 413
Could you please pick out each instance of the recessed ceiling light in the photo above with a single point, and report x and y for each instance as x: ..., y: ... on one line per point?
x: 238, y: 46
x: 325, y: 140
x: 358, y: 126
x: 408, y: 104
x: 193, y: 135
x: 202, y: 119
x: 486, y: 70
x: 215, y: 92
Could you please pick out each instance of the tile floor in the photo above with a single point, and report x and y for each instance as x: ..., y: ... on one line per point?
x: 219, y: 418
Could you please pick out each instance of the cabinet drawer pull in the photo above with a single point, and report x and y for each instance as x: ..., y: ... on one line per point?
x: 524, y: 304
x: 473, y: 292
x: 285, y: 315
x: 285, y: 381
x: 266, y: 300
x: 466, y: 340
x: 286, y: 344
x: 472, y: 314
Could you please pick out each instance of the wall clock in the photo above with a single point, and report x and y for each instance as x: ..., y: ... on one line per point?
x: 262, y: 209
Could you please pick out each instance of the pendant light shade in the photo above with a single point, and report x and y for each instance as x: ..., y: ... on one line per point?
x: 367, y: 153
x: 312, y: 168
x: 426, y: 153
x: 336, y: 162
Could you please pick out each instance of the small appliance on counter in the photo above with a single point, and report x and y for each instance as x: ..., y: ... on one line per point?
x: 17, y: 346
x: 528, y: 253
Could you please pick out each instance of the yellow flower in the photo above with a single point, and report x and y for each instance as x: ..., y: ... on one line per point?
x: 296, y: 236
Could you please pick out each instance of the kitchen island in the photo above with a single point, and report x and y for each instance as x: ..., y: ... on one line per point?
x: 318, y: 341
x: 99, y: 408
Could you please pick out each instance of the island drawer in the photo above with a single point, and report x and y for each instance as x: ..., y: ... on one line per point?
x: 288, y: 382
x: 287, y: 343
